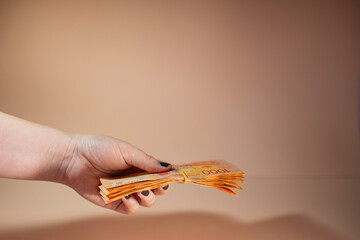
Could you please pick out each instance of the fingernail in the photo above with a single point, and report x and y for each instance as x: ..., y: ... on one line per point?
x: 166, y: 187
x: 145, y: 193
x: 127, y: 196
x: 164, y: 164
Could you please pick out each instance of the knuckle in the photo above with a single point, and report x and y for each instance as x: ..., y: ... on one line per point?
x: 132, y: 209
x: 148, y: 157
x: 114, y: 205
x: 161, y: 191
x: 148, y: 203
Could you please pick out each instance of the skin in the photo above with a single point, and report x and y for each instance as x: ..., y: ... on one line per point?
x: 35, y: 152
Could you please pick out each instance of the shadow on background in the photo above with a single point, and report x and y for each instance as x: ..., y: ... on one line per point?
x: 188, y: 225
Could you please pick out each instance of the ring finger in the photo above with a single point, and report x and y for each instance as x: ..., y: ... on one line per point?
x: 147, y: 198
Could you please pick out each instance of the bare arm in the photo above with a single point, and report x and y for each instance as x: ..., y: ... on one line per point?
x: 31, y: 151
x: 35, y: 152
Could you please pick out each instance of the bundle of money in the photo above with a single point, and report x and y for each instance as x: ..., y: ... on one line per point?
x: 220, y: 175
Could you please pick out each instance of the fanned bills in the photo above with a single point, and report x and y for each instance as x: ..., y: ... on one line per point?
x: 220, y: 175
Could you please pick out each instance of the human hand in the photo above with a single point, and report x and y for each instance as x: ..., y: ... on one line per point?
x: 34, y: 152
x: 89, y: 157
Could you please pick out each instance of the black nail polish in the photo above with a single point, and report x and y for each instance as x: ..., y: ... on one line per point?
x: 164, y: 164
x: 127, y: 196
x: 166, y: 187
x: 145, y: 193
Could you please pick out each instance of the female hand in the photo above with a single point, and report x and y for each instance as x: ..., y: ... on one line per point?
x: 90, y: 157
x: 35, y: 152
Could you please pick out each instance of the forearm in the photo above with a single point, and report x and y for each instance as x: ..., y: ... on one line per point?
x: 31, y: 151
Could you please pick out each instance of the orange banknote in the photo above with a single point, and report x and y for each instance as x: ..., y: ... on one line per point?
x: 220, y: 175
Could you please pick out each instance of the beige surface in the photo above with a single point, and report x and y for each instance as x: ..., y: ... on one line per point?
x: 330, y: 204
x: 165, y: 226
x: 271, y: 87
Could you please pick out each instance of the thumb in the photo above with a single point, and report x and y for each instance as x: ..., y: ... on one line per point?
x: 138, y: 158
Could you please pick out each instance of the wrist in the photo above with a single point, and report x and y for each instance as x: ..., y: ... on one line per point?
x: 62, y: 152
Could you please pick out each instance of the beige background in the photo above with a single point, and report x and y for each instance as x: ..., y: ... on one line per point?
x: 269, y: 85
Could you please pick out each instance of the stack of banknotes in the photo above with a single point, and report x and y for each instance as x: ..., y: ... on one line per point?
x: 220, y: 175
